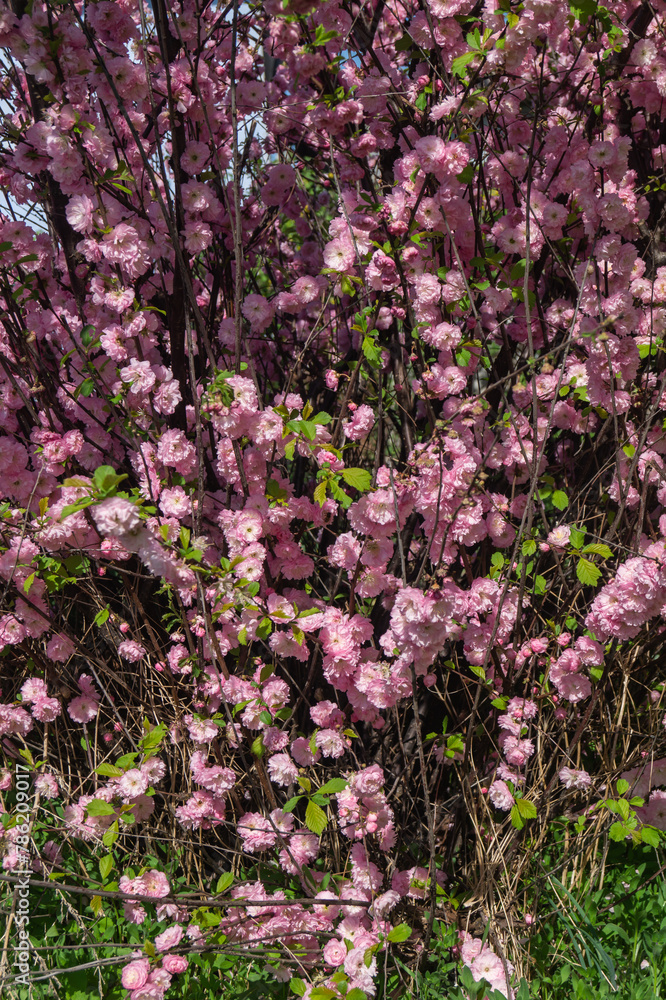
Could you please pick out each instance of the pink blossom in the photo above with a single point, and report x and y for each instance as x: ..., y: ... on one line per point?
x: 176, y: 451
x: 574, y: 779
x: 282, y: 769
x: 169, y: 938
x: 175, y: 963
x: 335, y: 952
x: 361, y: 423
x: 135, y: 974
x: 79, y: 213
x: 83, y: 708
x: 500, y: 796
x: 133, y: 782
x: 131, y: 650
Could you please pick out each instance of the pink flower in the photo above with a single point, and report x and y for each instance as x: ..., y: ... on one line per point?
x: 360, y: 424
x: 195, y: 157
x: 500, y: 796
x: 152, y: 883
x: 33, y: 689
x: 259, y: 311
x: 119, y: 518
x: 339, y: 255
x: 176, y: 451
x: 574, y: 779
x: 170, y: 938
x: 175, y: 963
x: 131, y: 650
x: 282, y: 769
x: 431, y: 151
x: 83, y: 708
x: 559, y: 537
x: 136, y: 974
x: 79, y: 213
x: 46, y: 709
x: 60, y: 648
x: 133, y: 782
x: 256, y: 832
x: 335, y: 952
x: 489, y: 966
x: 124, y: 247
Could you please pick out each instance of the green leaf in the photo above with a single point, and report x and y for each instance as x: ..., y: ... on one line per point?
x: 224, y: 882
x: 106, y: 866
x: 617, y: 832
x: 526, y: 809
x: 622, y: 786
x: 154, y: 737
x: 127, y: 760
x: 73, y: 508
x: 333, y: 785
x: 98, y: 807
x: 529, y: 547
x: 466, y: 175
x: 298, y: 986
x: 356, y: 994
x: 315, y: 818
x: 516, y: 818
x: 371, y: 351
x: 588, y: 573
x: 523, y: 992
x: 560, y: 500
x: 360, y: 479
x: 400, y: 933
x: 651, y: 836
x: 599, y: 549
x: 109, y: 771
x: 320, y: 492
x: 291, y: 803
x: 340, y: 495
x: 577, y: 537
x: 28, y: 583
x: 458, y: 65
x: 274, y: 490
x: 102, y: 616
x: 257, y: 747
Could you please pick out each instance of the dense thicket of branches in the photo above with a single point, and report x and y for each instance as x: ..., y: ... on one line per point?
x: 332, y: 395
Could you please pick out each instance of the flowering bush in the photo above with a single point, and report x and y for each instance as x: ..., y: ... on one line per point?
x: 332, y: 433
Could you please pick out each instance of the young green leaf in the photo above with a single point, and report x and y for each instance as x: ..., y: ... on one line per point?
x: 560, y: 500
x: 224, y: 881
x: 526, y: 809
x: 315, y: 818
x: 109, y: 771
x: 106, y: 866
x: 598, y: 549
x: 360, y: 479
x: 334, y: 785
x: 400, y: 933
x: 100, y: 808
x: 588, y: 573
